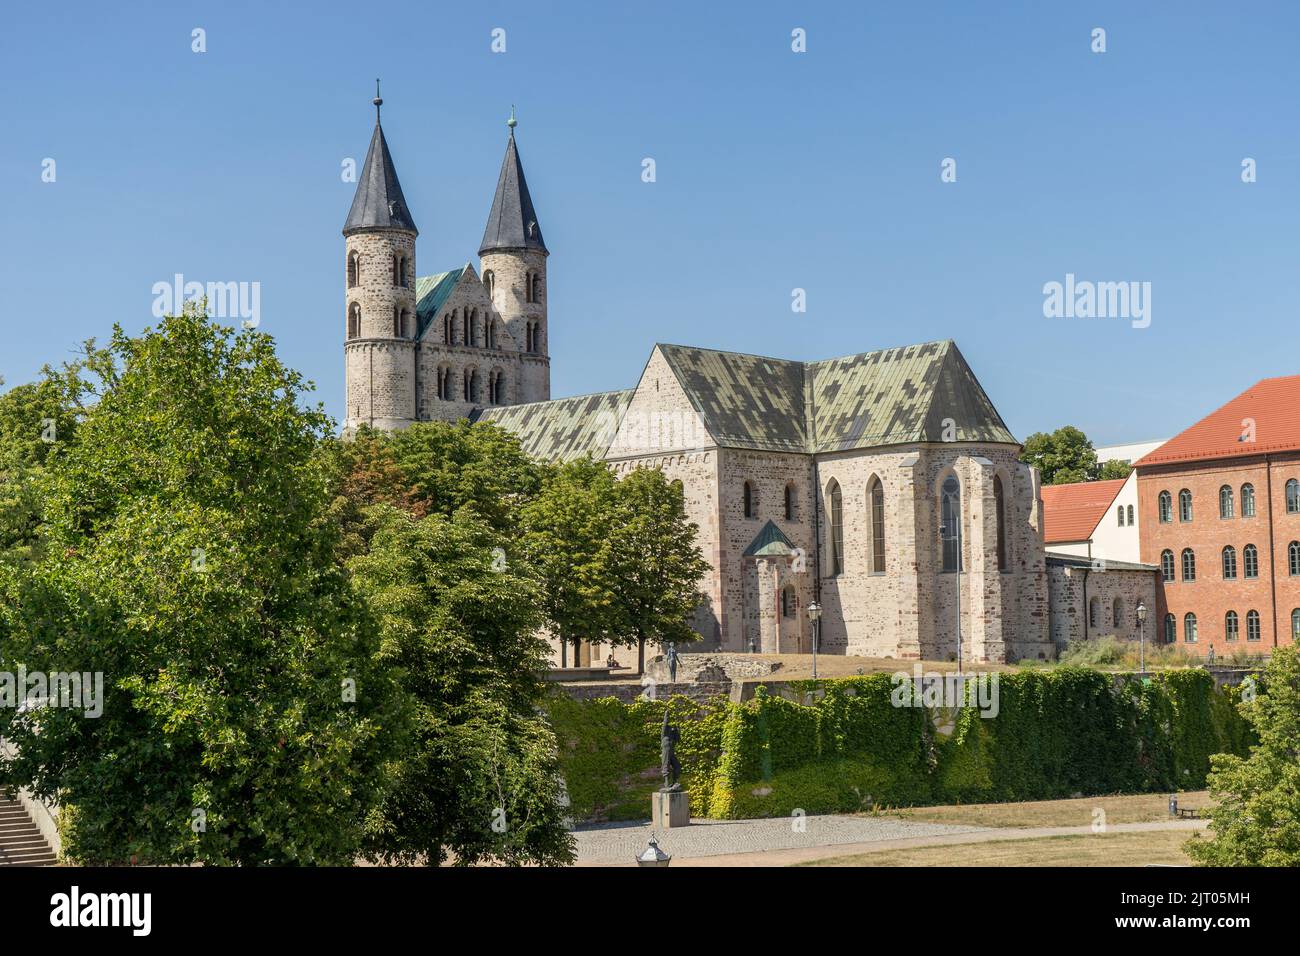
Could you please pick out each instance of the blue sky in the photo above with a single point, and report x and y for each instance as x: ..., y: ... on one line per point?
x: 775, y: 171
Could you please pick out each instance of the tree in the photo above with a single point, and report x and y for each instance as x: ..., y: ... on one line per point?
x: 479, y: 777
x: 1066, y: 455
x: 656, y: 564
x: 566, y: 533
x: 1256, y: 819
x: 1113, y: 469
x: 190, y: 563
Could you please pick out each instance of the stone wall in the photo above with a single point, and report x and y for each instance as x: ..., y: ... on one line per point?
x: 1074, y: 586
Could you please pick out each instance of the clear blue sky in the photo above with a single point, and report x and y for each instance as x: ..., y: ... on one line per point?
x: 776, y: 170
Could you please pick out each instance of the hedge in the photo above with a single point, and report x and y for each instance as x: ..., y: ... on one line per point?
x: 1057, y: 733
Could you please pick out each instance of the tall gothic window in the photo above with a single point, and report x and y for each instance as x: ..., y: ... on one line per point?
x: 1000, y: 506
x: 877, y: 496
x: 836, y: 521
x: 354, y: 270
x: 1248, y: 501
x: 789, y: 502
x: 950, y: 523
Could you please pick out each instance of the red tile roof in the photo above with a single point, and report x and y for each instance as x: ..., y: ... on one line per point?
x: 1071, y: 512
x: 1274, y: 407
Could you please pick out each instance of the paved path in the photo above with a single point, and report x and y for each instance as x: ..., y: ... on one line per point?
x: 773, y: 842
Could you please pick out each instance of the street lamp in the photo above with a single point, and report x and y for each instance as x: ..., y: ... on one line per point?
x: 652, y: 855
x: 1142, y: 644
x: 815, y: 615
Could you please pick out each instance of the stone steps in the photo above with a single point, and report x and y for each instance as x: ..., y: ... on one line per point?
x: 21, y: 843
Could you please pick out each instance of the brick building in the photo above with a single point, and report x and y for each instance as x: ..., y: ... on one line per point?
x: 1220, y: 507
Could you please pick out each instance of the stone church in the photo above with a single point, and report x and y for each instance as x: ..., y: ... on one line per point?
x: 883, y: 486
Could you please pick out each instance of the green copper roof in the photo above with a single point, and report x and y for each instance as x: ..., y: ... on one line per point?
x: 564, y: 428
x: 431, y: 292
x: 770, y: 542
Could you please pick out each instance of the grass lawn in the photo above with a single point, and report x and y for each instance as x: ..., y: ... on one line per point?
x: 1142, y: 808
x: 1102, y: 849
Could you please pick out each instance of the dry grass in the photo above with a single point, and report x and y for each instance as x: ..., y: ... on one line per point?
x: 1140, y: 808
x: 799, y: 666
x: 1102, y: 849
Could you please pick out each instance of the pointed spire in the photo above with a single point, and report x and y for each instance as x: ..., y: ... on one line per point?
x: 379, y: 203
x: 512, y: 223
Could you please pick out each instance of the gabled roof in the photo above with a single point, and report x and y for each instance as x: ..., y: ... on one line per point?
x: 1273, y: 405
x: 770, y: 542
x: 1072, y: 512
x: 888, y: 397
x: 512, y: 223
x: 431, y: 292
x: 379, y: 203
x: 563, y: 428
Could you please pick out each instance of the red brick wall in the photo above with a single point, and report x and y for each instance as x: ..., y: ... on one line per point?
x: 1210, y: 597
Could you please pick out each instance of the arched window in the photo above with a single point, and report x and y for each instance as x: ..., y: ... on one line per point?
x: 1225, y: 501
x: 836, y: 522
x: 1184, y: 505
x: 1292, y: 497
x: 1229, y: 563
x: 446, y: 329
x: 1117, y: 614
x: 749, y: 500
x: 1189, y: 627
x: 1248, y: 501
x: 1250, y: 561
x: 1000, y: 509
x: 789, y: 604
x: 950, y: 523
x: 489, y: 282
x: 789, y: 502
x: 1120, y: 512
x: 1166, y: 507
x: 400, y: 277
x: 1167, y: 565
x: 467, y: 329
x: 1130, y: 516
x: 1231, y: 626
x: 1295, y: 625
x: 876, y: 495
x: 1189, y: 565
x: 471, y: 384
x: 534, y: 287
x: 354, y: 270
x: 497, y: 387
x: 1252, y: 625
x: 354, y: 320
x: 490, y: 332
x: 1293, y: 558
x: 1094, y: 612
x: 1171, y: 629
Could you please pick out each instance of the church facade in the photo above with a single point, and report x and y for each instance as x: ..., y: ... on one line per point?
x: 883, y: 487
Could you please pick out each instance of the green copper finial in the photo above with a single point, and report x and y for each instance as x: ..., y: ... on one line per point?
x: 512, y: 122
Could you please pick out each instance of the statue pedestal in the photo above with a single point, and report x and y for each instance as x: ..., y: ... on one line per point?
x: 669, y: 810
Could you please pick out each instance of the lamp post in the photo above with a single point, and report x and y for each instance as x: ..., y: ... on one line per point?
x: 652, y: 855
x: 1142, y: 643
x: 943, y: 536
x: 815, y: 615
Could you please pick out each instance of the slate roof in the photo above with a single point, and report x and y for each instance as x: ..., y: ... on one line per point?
x: 563, y: 428
x: 769, y: 542
x: 892, y: 396
x: 431, y: 292
x: 1072, y: 511
x: 1273, y: 404
x: 379, y: 203
x: 512, y: 223
x: 1095, y: 564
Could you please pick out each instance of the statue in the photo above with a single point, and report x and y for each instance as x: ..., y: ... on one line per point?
x: 672, y: 663
x: 669, y: 764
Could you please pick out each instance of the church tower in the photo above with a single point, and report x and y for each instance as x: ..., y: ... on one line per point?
x: 512, y: 261
x: 379, y: 306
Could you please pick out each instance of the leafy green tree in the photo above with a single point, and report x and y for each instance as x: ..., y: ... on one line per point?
x: 190, y: 562
x: 1063, y: 456
x: 566, y: 540
x: 656, y: 565
x: 1113, y: 469
x: 1256, y: 819
x: 479, y: 778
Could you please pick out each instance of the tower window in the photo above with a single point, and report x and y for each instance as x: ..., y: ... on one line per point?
x: 354, y: 321
x: 354, y: 270
x: 489, y: 282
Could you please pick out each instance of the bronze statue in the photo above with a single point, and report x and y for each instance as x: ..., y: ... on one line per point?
x: 670, y: 767
x: 672, y: 663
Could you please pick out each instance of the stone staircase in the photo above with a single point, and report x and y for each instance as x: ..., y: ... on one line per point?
x: 21, y: 843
